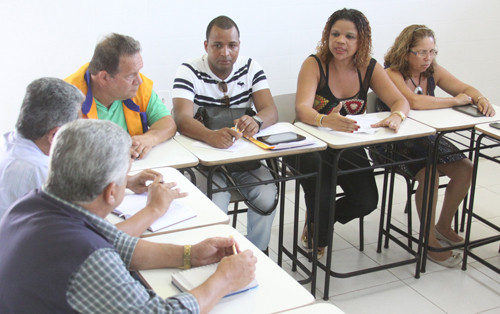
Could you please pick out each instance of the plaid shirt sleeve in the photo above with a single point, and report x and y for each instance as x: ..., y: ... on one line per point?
x: 103, y: 285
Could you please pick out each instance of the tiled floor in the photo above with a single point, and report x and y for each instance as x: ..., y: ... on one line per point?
x: 438, y: 290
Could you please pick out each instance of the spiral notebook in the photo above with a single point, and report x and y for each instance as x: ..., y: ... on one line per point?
x: 191, y: 278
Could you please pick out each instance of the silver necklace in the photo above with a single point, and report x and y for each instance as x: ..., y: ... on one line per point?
x: 418, y: 89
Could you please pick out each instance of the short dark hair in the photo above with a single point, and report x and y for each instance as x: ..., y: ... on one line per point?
x: 107, y: 53
x: 48, y: 103
x: 223, y: 22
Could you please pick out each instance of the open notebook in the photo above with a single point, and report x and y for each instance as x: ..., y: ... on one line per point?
x: 176, y: 213
x: 191, y: 278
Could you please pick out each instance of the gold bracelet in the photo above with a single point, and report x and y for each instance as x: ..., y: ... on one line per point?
x: 318, y: 119
x: 187, y: 256
x: 400, y: 114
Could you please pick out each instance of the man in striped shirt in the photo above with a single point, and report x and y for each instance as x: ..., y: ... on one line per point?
x: 222, y: 78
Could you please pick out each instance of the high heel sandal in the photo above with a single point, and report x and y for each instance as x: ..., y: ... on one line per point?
x: 305, y: 243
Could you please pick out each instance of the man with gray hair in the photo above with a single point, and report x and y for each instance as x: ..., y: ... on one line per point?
x: 62, y: 256
x: 48, y: 104
x: 115, y: 90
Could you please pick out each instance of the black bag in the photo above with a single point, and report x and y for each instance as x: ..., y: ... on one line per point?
x: 219, y: 117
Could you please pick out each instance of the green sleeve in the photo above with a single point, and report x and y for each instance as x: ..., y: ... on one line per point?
x: 156, y: 109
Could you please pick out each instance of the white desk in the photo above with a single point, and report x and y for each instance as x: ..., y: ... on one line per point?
x: 277, y: 291
x: 445, y: 121
x: 208, y: 212
x: 316, y: 308
x: 494, y: 135
x: 166, y: 154
x: 448, y: 119
x: 340, y: 141
x: 213, y: 157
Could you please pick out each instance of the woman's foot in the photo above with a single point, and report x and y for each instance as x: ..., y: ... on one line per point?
x: 450, y: 259
x: 305, y: 243
x: 449, y: 236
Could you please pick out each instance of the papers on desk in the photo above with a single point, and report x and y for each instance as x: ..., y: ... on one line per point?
x: 175, y: 214
x: 364, y: 123
x: 191, y: 278
x: 237, y: 146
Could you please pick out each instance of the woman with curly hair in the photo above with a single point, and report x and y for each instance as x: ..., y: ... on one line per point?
x: 411, y: 65
x: 332, y: 84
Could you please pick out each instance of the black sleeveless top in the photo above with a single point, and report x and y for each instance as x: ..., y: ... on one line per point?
x: 325, y: 101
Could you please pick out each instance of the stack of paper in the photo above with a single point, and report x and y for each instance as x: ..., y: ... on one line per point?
x: 176, y: 213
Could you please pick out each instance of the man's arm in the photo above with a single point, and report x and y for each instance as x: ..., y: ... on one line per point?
x: 266, y: 110
x: 160, y: 196
x: 160, y: 131
x: 234, y: 271
x: 189, y: 126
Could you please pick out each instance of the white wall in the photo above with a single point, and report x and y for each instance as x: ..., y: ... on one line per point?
x: 53, y: 38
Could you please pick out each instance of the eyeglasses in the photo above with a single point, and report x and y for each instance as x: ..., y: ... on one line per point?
x: 424, y: 53
x: 223, y: 88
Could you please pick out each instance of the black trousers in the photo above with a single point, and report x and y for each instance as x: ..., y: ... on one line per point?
x: 360, y: 189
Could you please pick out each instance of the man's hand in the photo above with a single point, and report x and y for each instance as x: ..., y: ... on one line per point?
x: 141, y: 145
x: 247, y: 125
x: 161, y: 195
x: 212, y: 250
x: 137, y: 182
x: 223, y: 138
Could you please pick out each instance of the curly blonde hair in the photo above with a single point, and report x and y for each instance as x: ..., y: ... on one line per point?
x: 406, y: 40
x: 363, y: 55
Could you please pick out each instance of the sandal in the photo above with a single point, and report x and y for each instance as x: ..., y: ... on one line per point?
x: 305, y: 243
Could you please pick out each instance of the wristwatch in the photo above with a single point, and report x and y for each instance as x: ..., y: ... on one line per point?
x: 258, y: 120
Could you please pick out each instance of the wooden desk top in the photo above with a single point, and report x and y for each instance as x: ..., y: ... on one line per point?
x: 339, y: 140
x: 277, y: 291
x: 213, y: 157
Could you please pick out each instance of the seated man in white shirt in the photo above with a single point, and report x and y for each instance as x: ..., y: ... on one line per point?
x: 48, y: 104
x: 62, y: 256
x: 222, y: 78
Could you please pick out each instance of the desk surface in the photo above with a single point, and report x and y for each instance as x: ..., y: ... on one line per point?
x: 208, y: 212
x: 166, y: 154
x: 317, y: 308
x: 277, y: 291
x: 213, y: 157
x: 488, y: 130
x: 448, y: 119
x: 339, y: 140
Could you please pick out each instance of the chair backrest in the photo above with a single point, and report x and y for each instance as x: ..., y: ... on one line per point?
x: 286, y: 107
x: 371, y: 99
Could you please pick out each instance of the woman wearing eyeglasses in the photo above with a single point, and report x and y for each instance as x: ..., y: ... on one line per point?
x: 411, y: 64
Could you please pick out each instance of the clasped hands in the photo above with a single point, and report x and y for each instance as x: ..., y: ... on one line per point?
x: 225, y: 137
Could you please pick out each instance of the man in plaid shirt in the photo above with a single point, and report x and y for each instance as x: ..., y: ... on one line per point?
x: 59, y: 255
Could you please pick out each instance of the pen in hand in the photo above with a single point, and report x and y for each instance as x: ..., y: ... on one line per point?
x: 234, y: 245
